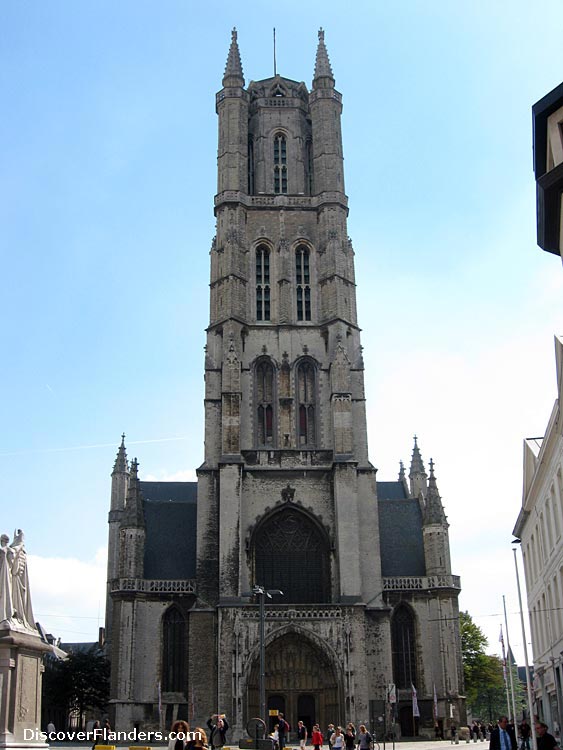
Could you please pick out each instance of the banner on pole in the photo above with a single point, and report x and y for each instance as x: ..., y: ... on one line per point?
x: 415, y: 711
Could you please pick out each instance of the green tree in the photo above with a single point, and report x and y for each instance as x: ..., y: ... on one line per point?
x: 473, y: 644
x: 78, y: 683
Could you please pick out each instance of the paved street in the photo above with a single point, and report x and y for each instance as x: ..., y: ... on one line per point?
x: 406, y: 745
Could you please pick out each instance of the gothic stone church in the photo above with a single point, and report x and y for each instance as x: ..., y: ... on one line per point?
x: 286, y: 497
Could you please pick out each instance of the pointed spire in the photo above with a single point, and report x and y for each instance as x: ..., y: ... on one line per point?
x: 434, y: 510
x: 417, y: 467
x: 121, y: 465
x: 134, y: 514
x: 323, y: 77
x: 233, y: 69
x: 402, y: 476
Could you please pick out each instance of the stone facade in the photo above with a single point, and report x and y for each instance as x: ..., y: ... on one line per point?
x: 286, y: 497
x: 540, y: 529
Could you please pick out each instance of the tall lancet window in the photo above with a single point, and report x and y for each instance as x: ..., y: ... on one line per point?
x: 262, y: 283
x: 303, y: 283
x: 306, y: 397
x: 403, y: 644
x: 251, y: 165
x: 280, y: 164
x: 174, y: 651
x: 309, y: 165
x: 265, y: 403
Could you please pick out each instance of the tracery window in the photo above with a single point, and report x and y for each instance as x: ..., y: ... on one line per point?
x: 303, y: 283
x: 292, y: 553
x: 262, y: 283
x: 306, y: 404
x: 280, y: 164
x: 174, y: 651
x: 265, y: 403
x: 403, y: 642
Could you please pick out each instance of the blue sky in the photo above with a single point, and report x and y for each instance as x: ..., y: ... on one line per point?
x: 106, y: 193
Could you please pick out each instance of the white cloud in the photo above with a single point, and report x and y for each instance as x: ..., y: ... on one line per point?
x: 68, y: 595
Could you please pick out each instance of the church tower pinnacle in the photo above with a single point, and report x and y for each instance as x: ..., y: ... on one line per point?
x: 417, y: 474
x: 435, y: 531
x: 323, y: 72
x: 233, y: 69
x: 132, y: 529
x: 119, y: 485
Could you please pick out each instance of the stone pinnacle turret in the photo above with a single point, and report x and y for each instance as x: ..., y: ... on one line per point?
x: 233, y: 69
x: 323, y: 77
x: 434, y: 510
x: 134, y: 515
x: 417, y: 474
x: 121, y: 464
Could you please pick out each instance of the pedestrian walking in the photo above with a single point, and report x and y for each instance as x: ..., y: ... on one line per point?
x: 301, y: 734
x: 502, y: 736
x: 364, y: 738
x: 317, y: 737
x: 283, y: 730
x: 338, y: 739
x: 544, y: 740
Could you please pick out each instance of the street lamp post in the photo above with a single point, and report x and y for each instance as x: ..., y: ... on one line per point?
x: 528, y: 683
x: 261, y: 592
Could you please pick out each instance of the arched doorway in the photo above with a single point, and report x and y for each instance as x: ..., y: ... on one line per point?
x: 301, y: 682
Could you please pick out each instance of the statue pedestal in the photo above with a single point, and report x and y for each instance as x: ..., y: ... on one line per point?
x: 21, y: 669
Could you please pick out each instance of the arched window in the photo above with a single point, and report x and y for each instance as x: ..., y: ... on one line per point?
x: 174, y: 651
x: 262, y: 283
x: 306, y: 404
x: 251, y: 165
x: 403, y: 642
x: 292, y: 553
x: 303, y: 283
x: 280, y: 164
x: 265, y: 403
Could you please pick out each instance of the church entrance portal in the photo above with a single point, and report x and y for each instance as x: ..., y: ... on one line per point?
x: 300, y: 682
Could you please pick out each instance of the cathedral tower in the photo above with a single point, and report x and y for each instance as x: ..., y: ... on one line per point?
x: 286, y: 497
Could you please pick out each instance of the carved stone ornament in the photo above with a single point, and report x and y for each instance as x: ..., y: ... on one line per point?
x: 288, y: 493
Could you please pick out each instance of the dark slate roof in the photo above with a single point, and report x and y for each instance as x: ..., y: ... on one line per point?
x: 170, y: 492
x: 391, y: 491
x: 170, y: 519
x: 77, y: 648
x: 400, y: 531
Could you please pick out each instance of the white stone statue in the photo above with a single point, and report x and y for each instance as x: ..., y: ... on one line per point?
x: 7, y: 555
x: 21, y: 597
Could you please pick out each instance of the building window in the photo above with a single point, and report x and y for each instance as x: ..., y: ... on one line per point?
x: 403, y: 645
x: 292, y: 553
x: 303, y: 283
x: 280, y: 164
x: 306, y: 399
x: 265, y: 403
x: 309, y: 166
x: 262, y: 283
x: 175, y: 649
x: 251, y: 165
